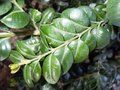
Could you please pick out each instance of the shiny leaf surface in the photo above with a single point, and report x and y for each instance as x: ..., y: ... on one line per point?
x: 51, y: 69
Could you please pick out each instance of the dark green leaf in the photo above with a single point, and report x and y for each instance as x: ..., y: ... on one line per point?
x: 53, y: 37
x: 51, y: 69
x: 89, y: 12
x: 16, y: 19
x: 65, y: 57
x: 99, y: 10
x: 5, y: 48
x: 90, y: 40
x: 47, y: 87
x: 47, y: 16
x: 27, y: 75
x: 77, y: 15
x: 33, y: 43
x: 102, y: 36
x: 80, y: 50
x: 5, y: 7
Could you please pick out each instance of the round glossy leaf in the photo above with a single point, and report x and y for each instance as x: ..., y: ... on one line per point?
x: 16, y: 19
x: 33, y: 43
x: 36, y: 71
x: 89, y: 12
x: 113, y: 12
x: 5, y: 48
x: 80, y: 50
x: 90, y: 40
x: 102, y: 36
x: 35, y: 15
x: 51, y: 69
x: 77, y: 15
x: 24, y: 49
x: 52, y: 35
x: 65, y: 57
x: 16, y: 57
x: 5, y: 7
x: 27, y: 75
x: 99, y: 10
x: 47, y: 16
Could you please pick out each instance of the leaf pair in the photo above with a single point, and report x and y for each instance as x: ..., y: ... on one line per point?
x: 32, y: 72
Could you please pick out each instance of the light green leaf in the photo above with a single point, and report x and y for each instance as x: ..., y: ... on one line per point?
x: 35, y: 15
x: 51, y: 69
x: 113, y: 12
x: 27, y: 75
x: 16, y: 19
x: 16, y: 57
x: 36, y: 71
x: 21, y: 3
x: 5, y: 7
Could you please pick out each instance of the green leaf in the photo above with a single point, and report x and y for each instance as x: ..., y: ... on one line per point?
x: 5, y: 48
x: 36, y: 71
x: 73, y: 21
x: 33, y: 43
x: 43, y: 43
x: 48, y: 87
x: 27, y: 75
x: 80, y: 50
x: 24, y: 49
x: 47, y: 15
x: 99, y: 10
x: 65, y: 57
x: 35, y: 15
x: 90, y: 40
x: 113, y: 12
x: 16, y: 19
x: 89, y: 12
x: 16, y: 57
x: 51, y: 69
x: 21, y: 3
x: 5, y: 7
x: 102, y: 36
x: 52, y: 36
x: 77, y: 15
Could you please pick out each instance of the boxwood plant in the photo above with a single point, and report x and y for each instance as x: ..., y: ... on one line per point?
x: 57, y: 41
